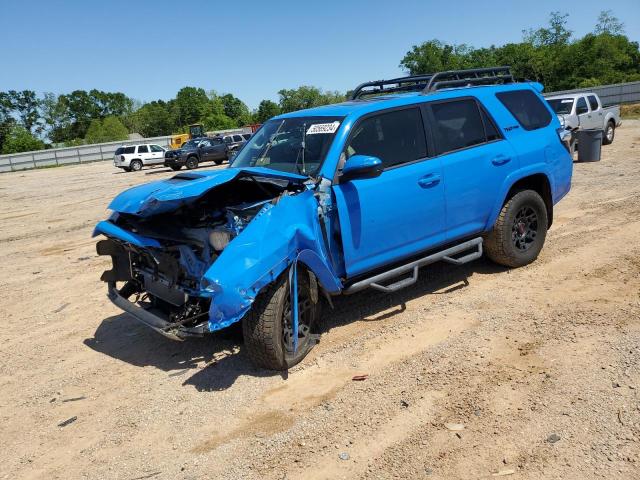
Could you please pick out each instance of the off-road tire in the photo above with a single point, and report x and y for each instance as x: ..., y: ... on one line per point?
x: 609, y: 133
x: 175, y: 168
x: 191, y: 163
x: 501, y: 243
x: 263, y: 325
x: 135, y: 165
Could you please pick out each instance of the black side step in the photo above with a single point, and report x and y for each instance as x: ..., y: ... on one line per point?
x: 444, y: 255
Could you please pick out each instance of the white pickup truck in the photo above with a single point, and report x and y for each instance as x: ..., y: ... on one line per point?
x: 585, y: 111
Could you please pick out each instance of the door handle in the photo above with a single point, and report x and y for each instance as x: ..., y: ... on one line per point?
x: 430, y: 180
x: 500, y: 160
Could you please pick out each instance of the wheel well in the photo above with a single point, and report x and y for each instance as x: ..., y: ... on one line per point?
x: 538, y: 183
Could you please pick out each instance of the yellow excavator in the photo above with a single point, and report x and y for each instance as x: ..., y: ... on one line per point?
x: 195, y: 131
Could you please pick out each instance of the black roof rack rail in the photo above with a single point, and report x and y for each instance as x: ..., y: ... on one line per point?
x: 435, y: 81
x: 469, y: 77
x: 415, y: 83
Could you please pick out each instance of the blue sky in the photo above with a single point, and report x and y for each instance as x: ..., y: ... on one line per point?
x: 150, y: 49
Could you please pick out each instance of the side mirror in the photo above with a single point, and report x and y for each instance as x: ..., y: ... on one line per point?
x: 361, y: 166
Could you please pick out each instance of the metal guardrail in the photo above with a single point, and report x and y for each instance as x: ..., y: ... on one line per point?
x: 618, y: 93
x: 82, y: 154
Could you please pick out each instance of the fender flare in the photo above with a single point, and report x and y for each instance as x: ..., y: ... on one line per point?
x: 510, y: 181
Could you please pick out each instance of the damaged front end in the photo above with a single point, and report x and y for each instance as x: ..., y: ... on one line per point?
x: 191, y: 253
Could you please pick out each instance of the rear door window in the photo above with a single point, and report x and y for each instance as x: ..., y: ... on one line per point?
x: 394, y: 137
x: 526, y: 107
x: 143, y: 149
x: 593, y: 101
x: 457, y: 124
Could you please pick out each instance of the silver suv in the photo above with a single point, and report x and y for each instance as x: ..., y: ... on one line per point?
x: 134, y: 157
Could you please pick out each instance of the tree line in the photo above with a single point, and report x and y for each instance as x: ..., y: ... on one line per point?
x: 549, y: 54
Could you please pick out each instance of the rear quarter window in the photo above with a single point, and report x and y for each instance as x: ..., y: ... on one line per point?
x: 129, y: 150
x: 119, y: 150
x: 526, y: 107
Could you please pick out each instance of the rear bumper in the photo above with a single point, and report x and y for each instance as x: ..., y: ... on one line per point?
x: 151, y: 320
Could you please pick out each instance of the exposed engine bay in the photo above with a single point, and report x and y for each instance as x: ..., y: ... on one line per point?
x: 167, y: 276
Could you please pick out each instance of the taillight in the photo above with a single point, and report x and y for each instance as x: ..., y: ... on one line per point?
x: 122, y: 158
x: 565, y: 138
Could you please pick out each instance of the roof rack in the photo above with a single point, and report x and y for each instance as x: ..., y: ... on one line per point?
x: 436, y: 81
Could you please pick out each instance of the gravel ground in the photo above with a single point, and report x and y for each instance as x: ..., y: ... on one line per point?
x: 474, y: 372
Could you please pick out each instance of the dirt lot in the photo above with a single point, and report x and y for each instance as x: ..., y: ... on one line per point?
x: 474, y: 372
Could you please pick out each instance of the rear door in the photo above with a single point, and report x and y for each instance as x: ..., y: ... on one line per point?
x: 401, y: 212
x: 597, y: 116
x: 143, y: 154
x: 583, y: 112
x: 206, y: 150
x: 475, y: 160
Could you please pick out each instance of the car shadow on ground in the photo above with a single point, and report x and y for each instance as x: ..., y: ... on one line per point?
x: 216, y: 361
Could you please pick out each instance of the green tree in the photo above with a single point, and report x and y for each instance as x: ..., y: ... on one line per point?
x: 556, y: 33
x: 152, y: 119
x: 110, y: 129
x: 435, y: 56
x: 19, y: 139
x: 25, y: 105
x: 608, y: 23
x: 214, y: 116
x: 266, y: 110
x: 236, y: 109
x: 190, y: 105
x: 306, y: 97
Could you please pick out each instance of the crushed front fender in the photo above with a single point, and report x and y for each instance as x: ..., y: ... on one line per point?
x: 278, y: 236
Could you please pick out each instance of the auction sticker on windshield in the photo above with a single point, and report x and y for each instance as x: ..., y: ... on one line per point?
x: 323, y: 128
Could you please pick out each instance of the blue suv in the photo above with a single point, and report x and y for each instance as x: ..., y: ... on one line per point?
x: 336, y: 199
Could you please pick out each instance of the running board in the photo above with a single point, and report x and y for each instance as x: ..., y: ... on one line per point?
x: 444, y: 255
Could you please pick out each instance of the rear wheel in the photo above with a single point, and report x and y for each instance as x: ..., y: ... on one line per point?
x: 268, y: 330
x: 609, y: 133
x: 175, y: 168
x: 191, y: 163
x: 135, y: 165
x: 519, y: 232
x: 219, y: 161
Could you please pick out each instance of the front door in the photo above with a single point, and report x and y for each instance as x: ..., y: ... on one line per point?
x: 401, y: 212
x: 157, y: 154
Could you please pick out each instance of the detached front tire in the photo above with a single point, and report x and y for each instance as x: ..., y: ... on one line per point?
x: 519, y: 232
x: 267, y: 327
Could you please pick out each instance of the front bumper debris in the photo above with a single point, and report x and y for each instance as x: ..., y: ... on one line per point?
x: 151, y: 320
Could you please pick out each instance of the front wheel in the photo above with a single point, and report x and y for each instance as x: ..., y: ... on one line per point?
x: 267, y: 328
x: 609, y: 133
x: 519, y: 232
x: 191, y: 163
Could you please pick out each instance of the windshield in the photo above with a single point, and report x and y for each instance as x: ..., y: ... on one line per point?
x: 191, y: 144
x: 562, y: 106
x: 294, y: 145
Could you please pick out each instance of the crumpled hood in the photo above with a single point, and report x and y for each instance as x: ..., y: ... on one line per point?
x: 166, y: 195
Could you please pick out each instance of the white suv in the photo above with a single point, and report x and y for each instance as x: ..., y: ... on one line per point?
x: 134, y: 157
